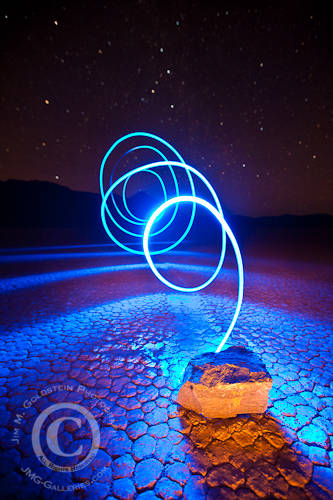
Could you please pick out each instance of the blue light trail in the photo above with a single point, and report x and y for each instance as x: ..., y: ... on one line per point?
x: 109, y: 202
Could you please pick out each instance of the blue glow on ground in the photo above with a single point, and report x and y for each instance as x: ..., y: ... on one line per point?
x: 163, y: 330
x: 21, y: 282
x: 55, y: 247
x: 8, y: 285
x: 56, y: 256
x: 184, y: 314
x: 4, y: 259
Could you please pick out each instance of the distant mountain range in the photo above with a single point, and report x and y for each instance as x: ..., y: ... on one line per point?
x: 45, y: 204
x: 36, y: 204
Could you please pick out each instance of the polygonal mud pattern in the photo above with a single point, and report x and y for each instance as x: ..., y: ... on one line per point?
x: 123, y: 361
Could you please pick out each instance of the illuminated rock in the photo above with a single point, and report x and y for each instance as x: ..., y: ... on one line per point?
x: 225, y: 384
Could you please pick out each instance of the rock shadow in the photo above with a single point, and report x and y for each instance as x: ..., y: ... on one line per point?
x: 246, y: 457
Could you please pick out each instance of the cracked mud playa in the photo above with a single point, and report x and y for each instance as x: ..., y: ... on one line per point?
x: 115, y: 341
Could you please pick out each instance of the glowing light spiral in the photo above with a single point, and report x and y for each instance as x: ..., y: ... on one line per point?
x: 126, y: 217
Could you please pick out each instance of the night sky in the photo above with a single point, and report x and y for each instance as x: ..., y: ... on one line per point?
x: 245, y: 94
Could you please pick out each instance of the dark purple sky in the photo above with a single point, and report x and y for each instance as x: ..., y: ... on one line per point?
x: 245, y: 94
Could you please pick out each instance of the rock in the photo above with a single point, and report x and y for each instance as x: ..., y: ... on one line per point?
x: 225, y: 384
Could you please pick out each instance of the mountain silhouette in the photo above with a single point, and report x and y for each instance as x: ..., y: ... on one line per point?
x: 26, y: 207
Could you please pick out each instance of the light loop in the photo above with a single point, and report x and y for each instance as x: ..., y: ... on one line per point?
x: 225, y: 226
x: 172, y: 166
